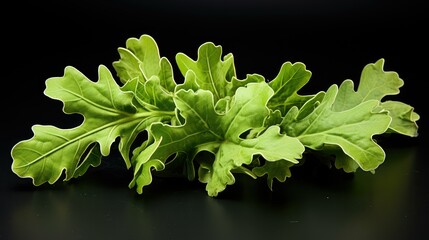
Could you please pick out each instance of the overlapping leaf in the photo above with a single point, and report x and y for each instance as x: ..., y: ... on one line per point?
x: 352, y: 130
x: 279, y: 170
x: 108, y: 113
x: 207, y: 130
x: 141, y: 60
x: 252, y: 126
x: 210, y: 72
x: 290, y: 79
x: 145, y: 73
x: 375, y: 84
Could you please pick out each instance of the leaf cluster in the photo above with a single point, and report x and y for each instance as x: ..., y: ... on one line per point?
x: 212, y: 125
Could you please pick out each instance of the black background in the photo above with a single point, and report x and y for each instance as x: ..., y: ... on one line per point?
x: 335, y: 39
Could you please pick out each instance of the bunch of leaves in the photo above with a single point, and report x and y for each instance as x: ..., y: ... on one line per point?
x: 212, y: 125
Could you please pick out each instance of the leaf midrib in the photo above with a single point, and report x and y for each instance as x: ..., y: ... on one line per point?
x: 92, y: 132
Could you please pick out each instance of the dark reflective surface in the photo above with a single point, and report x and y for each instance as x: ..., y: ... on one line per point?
x: 335, y: 40
x: 316, y: 202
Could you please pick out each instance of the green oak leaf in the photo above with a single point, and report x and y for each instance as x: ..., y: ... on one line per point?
x: 213, y: 125
x: 343, y: 161
x: 352, y: 130
x: 404, y: 119
x: 146, y: 74
x: 271, y: 145
x: 93, y: 158
x: 290, y: 79
x: 141, y: 60
x: 212, y: 73
x: 375, y: 84
x: 150, y: 95
x: 190, y: 82
x: 144, y: 176
x: 207, y: 130
x: 279, y: 170
x: 108, y: 114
